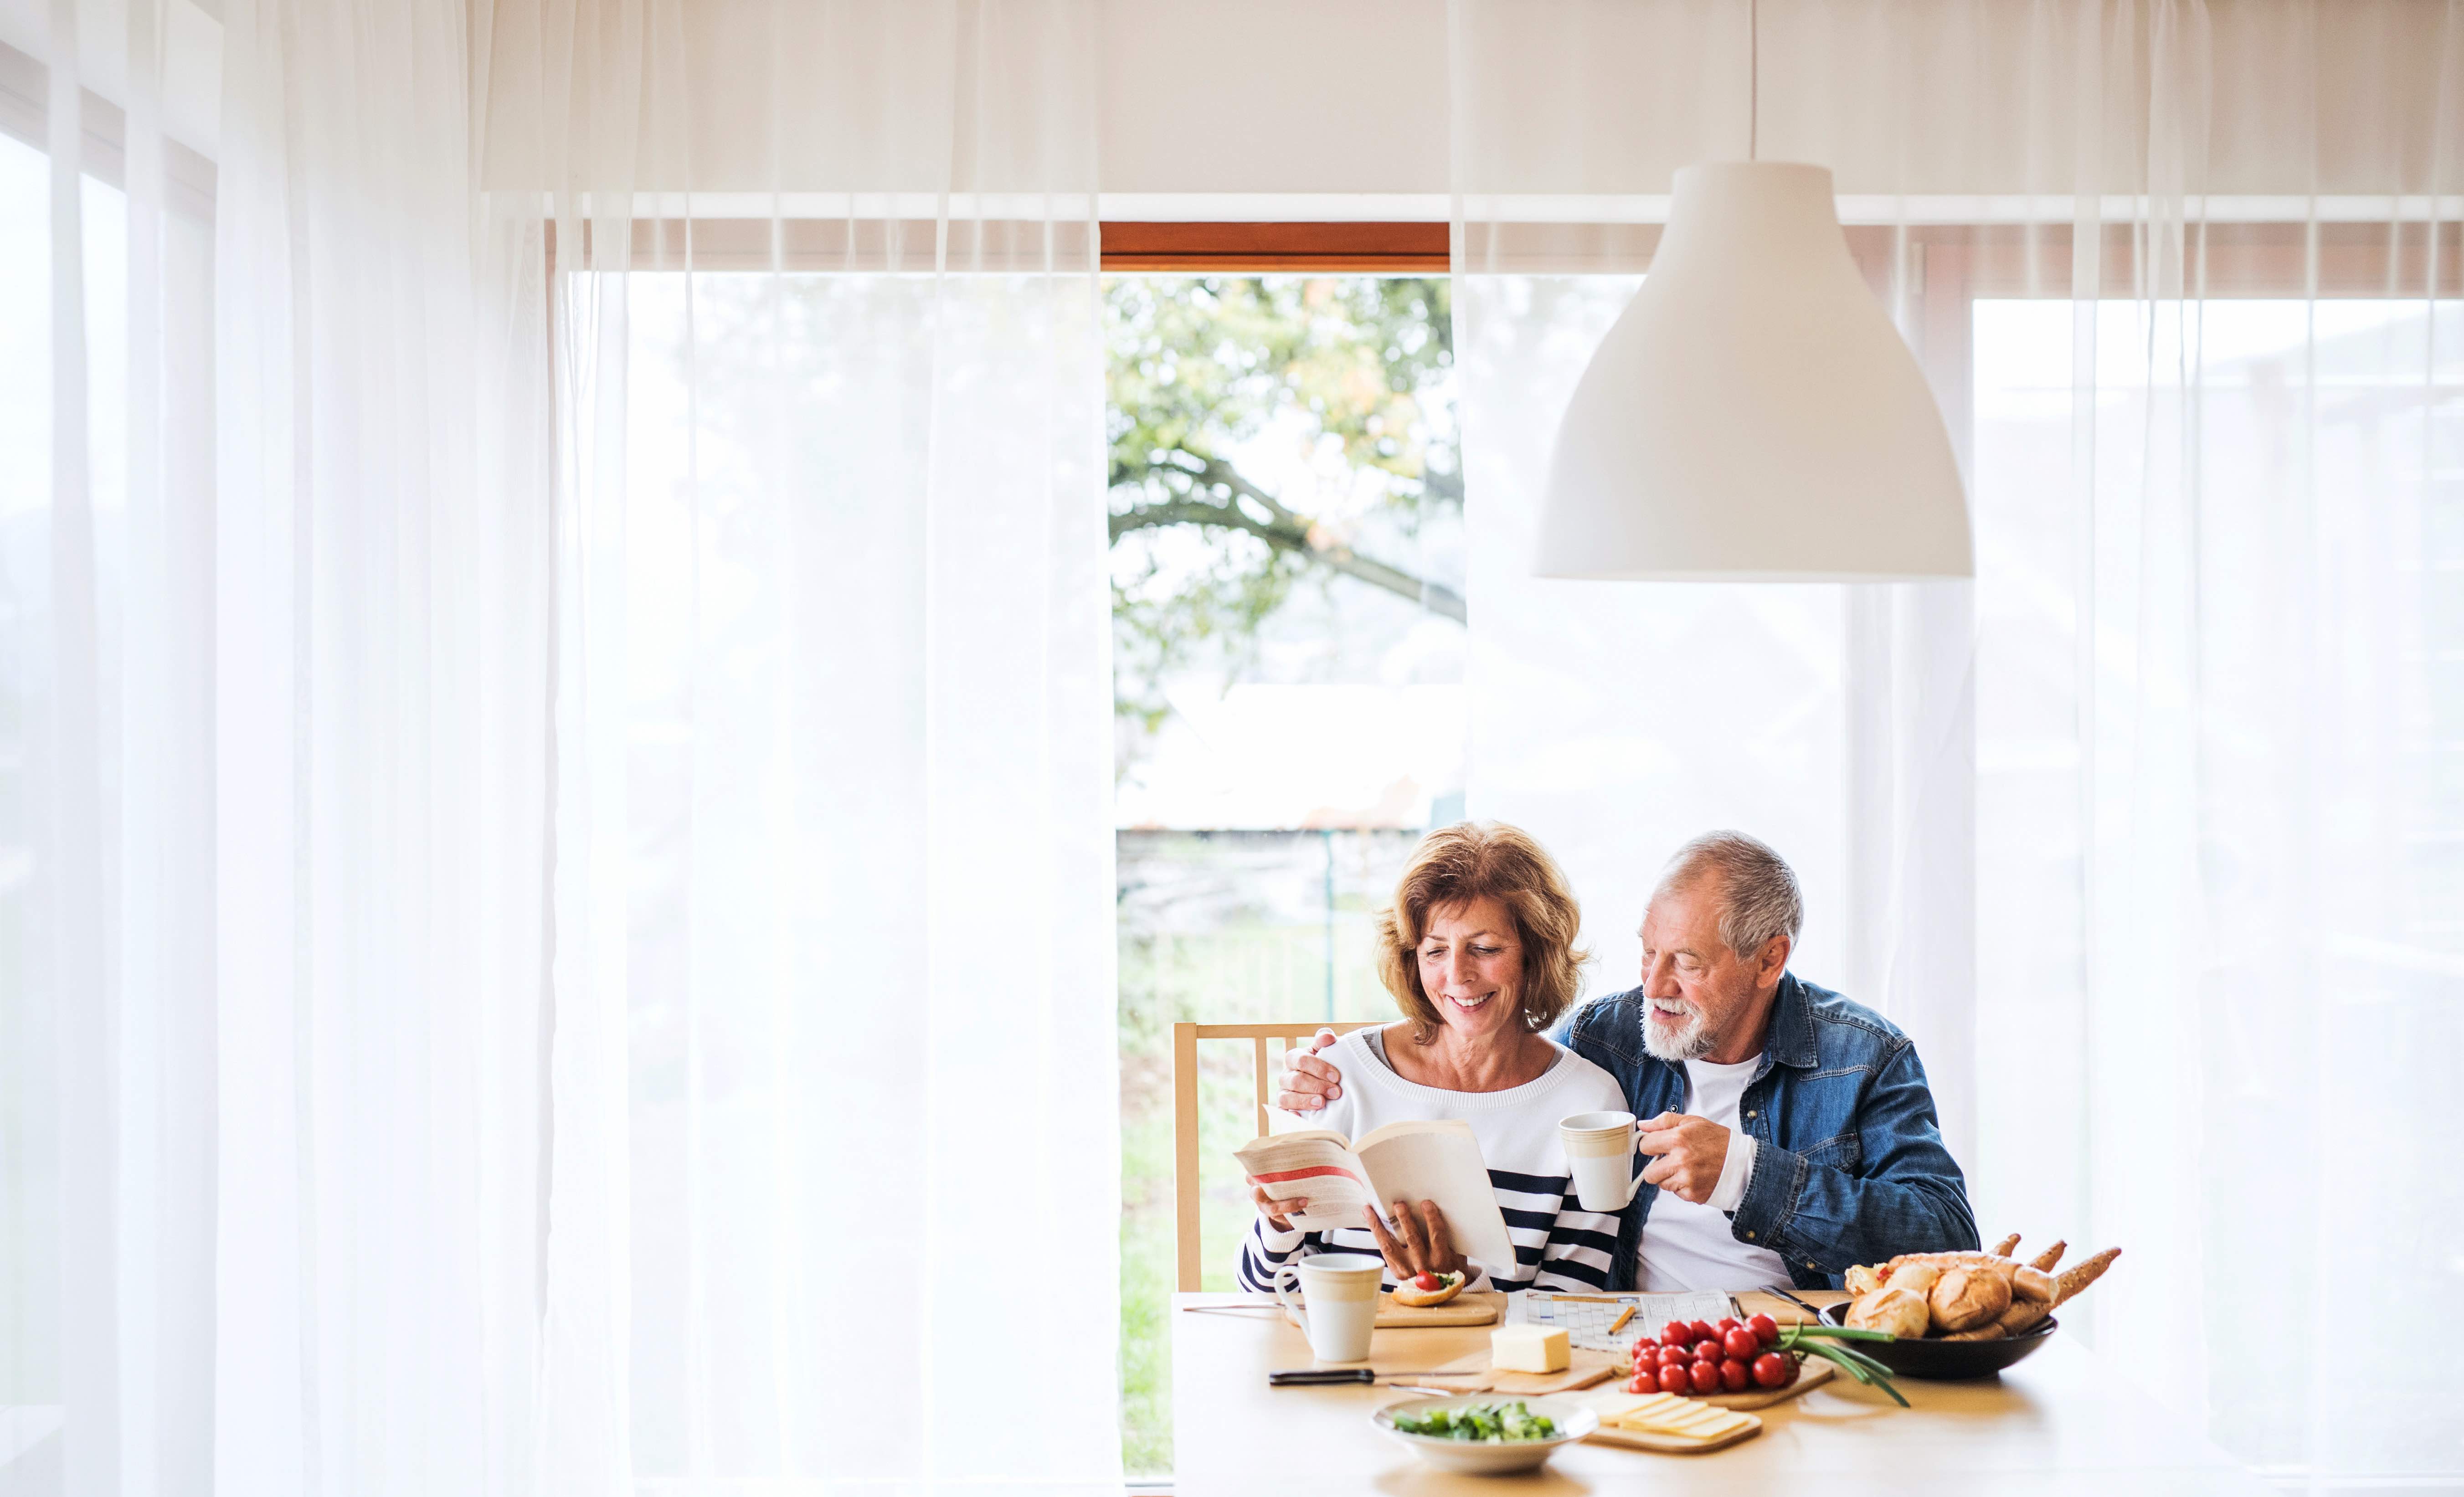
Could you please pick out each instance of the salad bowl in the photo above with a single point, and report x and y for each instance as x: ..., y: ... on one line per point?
x: 1572, y: 1421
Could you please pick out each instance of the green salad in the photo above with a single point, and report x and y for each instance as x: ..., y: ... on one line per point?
x: 1493, y: 1422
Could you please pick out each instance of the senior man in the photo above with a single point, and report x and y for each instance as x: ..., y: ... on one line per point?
x: 1790, y: 1131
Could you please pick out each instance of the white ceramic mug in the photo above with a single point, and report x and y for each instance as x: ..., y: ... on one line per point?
x: 1600, y: 1152
x: 1341, y: 1290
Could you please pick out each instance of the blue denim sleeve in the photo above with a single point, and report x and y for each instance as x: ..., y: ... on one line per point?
x: 1904, y: 1195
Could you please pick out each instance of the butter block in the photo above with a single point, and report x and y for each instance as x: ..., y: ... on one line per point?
x: 1529, y: 1348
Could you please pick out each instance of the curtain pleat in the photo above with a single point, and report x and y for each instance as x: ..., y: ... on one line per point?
x: 833, y: 994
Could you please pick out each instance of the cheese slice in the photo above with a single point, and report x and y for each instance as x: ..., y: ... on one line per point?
x: 1529, y: 1348
x: 1682, y: 1417
x: 1669, y: 1416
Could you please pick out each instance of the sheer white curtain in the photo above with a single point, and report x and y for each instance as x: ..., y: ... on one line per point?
x: 557, y: 751
x: 241, y: 1076
x: 836, y: 1144
x: 259, y: 833
x: 2148, y: 835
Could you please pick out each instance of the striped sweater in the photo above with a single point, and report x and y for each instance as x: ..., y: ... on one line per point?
x: 1557, y: 1245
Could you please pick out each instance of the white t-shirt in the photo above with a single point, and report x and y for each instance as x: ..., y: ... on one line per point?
x: 1687, y: 1246
x: 1557, y: 1245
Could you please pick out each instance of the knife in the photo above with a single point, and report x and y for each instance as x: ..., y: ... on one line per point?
x: 1320, y: 1377
x: 1335, y: 1377
x: 1815, y: 1311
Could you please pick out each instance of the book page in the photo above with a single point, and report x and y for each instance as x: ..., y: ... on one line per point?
x: 1441, y: 1161
x: 1315, y: 1163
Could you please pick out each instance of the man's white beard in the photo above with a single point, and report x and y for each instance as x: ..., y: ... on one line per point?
x: 1691, y: 1043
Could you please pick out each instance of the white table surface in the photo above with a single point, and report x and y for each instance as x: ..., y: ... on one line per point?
x: 2057, y: 1423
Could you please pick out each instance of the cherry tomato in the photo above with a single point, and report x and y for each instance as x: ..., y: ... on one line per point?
x: 1675, y: 1357
x: 1796, y: 1365
x: 1425, y: 1282
x: 1677, y: 1332
x: 1639, y: 1383
x: 1706, y: 1377
x: 1734, y: 1376
x: 1765, y: 1329
x: 1770, y: 1370
x: 1708, y: 1351
x: 1742, y: 1344
x: 1699, y: 1331
x: 1726, y: 1324
x: 1676, y: 1379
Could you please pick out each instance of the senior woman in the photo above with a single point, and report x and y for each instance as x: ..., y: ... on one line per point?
x: 1478, y: 950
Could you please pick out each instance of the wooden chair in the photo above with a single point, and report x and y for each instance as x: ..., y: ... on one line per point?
x: 1267, y: 1043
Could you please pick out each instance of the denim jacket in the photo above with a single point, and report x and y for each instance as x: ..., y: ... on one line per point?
x: 1849, y: 1165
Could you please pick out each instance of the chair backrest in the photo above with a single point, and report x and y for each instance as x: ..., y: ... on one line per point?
x: 1267, y: 1044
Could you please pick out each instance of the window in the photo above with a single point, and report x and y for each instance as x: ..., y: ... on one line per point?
x: 1293, y: 674
x: 1290, y: 642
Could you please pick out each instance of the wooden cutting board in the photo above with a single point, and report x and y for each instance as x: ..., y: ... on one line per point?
x: 1472, y: 1374
x: 1814, y: 1371
x: 1670, y: 1445
x: 1588, y: 1368
x: 1479, y: 1307
x: 1608, y: 1403
x: 1475, y: 1308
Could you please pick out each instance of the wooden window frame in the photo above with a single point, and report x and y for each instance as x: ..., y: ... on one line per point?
x: 1417, y: 247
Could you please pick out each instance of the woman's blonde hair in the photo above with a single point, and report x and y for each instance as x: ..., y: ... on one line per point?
x: 1483, y: 860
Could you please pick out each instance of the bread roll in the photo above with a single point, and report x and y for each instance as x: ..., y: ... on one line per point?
x: 1449, y: 1285
x: 1967, y: 1297
x: 1891, y: 1309
x: 1984, y: 1332
x: 1915, y: 1277
x: 1861, y: 1280
x: 2006, y: 1270
x: 2022, y: 1317
x: 2079, y: 1276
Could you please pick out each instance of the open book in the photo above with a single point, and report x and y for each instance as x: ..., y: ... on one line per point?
x: 1414, y: 1162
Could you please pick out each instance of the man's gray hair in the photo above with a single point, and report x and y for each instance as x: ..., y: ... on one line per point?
x: 1760, y: 897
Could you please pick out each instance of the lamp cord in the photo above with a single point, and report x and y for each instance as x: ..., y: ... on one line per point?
x: 1753, y: 78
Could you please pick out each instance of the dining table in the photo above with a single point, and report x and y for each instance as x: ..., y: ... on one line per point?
x: 2063, y: 1420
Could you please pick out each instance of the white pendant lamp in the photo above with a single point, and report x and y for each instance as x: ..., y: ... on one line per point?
x: 1753, y: 416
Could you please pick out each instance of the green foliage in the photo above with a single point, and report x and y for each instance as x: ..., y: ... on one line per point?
x: 1200, y: 366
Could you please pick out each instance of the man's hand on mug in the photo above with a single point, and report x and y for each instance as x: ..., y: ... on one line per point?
x: 1420, y: 1242
x: 1307, y: 1082
x: 1278, y: 1212
x: 1689, y: 1152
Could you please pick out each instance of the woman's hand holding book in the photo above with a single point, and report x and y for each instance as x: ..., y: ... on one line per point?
x: 1278, y: 1211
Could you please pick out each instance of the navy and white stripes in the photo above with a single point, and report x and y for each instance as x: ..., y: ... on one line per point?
x: 1557, y: 1245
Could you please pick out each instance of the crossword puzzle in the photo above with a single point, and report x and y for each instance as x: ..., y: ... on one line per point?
x: 1586, y: 1318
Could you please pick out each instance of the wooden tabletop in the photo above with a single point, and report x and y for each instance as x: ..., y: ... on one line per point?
x: 2059, y: 1422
